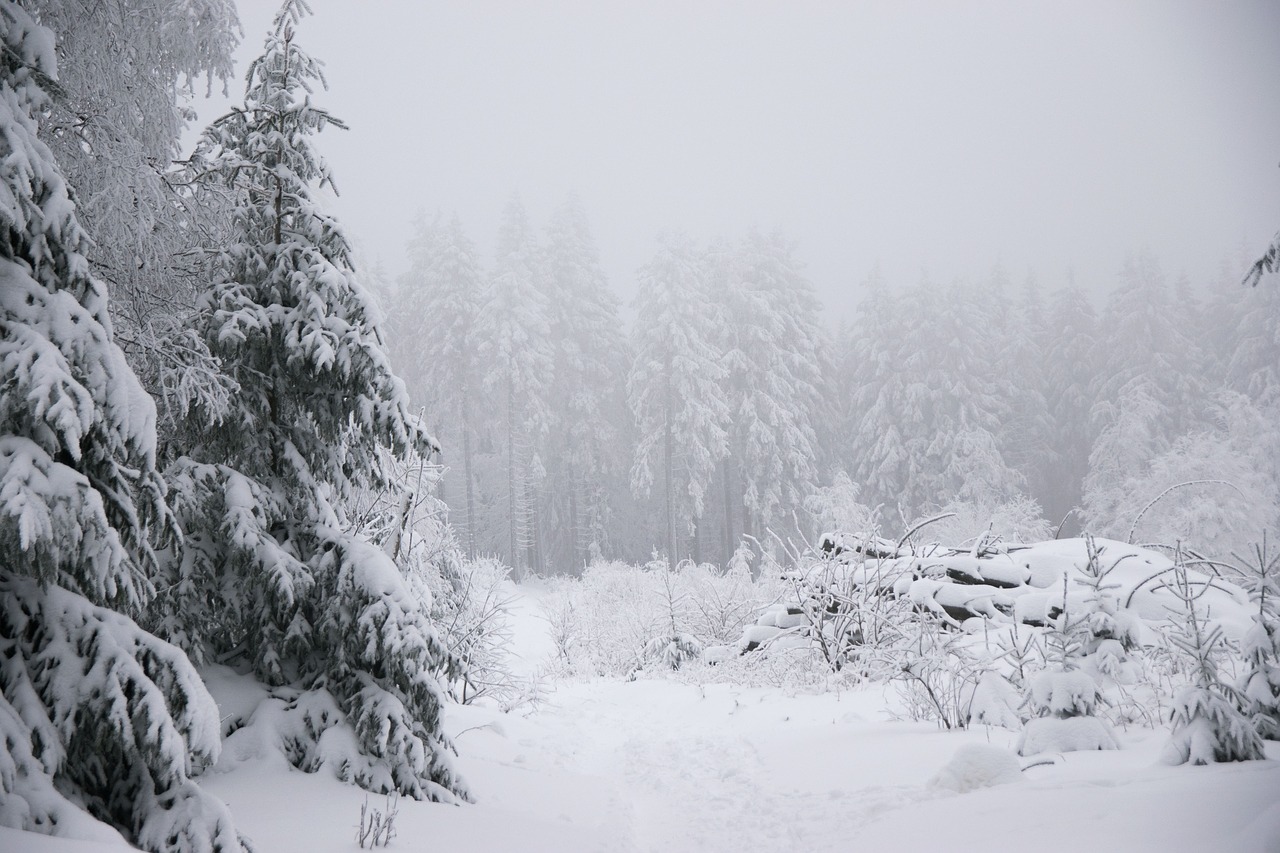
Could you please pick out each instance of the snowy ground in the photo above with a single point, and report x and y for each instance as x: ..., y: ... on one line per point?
x: 661, y: 766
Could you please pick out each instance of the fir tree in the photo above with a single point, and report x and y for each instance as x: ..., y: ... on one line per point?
x: 1259, y: 684
x: 268, y: 573
x: 444, y: 287
x: 770, y: 352
x: 584, y: 393
x: 514, y: 341
x: 94, y: 712
x: 1207, y: 724
x: 1070, y: 366
x: 674, y: 387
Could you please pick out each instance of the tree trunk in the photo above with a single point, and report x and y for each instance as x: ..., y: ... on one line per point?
x: 511, y: 472
x: 466, y: 473
x: 729, y: 544
x: 669, y: 465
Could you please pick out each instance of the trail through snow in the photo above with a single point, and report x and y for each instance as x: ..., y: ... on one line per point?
x: 657, y: 765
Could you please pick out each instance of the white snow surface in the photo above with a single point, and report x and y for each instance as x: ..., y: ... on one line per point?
x: 658, y: 765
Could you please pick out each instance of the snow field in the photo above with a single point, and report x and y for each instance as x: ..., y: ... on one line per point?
x: 658, y: 765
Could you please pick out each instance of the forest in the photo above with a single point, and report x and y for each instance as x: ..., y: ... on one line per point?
x: 279, y: 532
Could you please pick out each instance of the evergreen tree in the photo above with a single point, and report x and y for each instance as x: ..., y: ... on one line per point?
x: 930, y: 405
x: 1259, y: 684
x: 267, y: 573
x: 1254, y: 352
x: 94, y: 712
x: 584, y: 392
x: 674, y: 387
x: 1020, y: 335
x: 1070, y: 368
x: 514, y: 341
x: 1207, y: 724
x: 770, y: 347
x: 444, y: 287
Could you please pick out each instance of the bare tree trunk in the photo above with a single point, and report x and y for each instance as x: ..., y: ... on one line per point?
x: 728, y: 510
x: 466, y: 472
x: 511, y: 471
x: 670, y: 467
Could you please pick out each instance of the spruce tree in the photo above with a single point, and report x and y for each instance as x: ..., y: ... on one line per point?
x: 1070, y: 367
x: 770, y: 349
x: 444, y: 287
x: 1259, y: 683
x: 1208, y: 725
x: 94, y: 712
x: 585, y: 389
x: 269, y: 573
x: 674, y: 387
x: 514, y: 343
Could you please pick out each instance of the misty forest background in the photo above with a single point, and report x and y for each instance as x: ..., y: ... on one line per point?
x: 726, y: 407
x: 213, y: 478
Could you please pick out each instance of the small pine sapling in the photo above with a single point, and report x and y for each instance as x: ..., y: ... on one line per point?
x: 1108, y: 630
x: 1207, y: 723
x: 674, y: 646
x: 1064, y: 696
x: 1259, y: 684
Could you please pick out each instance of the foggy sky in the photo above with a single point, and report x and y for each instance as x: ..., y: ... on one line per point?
x: 927, y: 136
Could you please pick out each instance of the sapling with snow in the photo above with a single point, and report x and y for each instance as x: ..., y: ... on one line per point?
x: 1208, y: 725
x: 1063, y: 696
x: 1259, y: 683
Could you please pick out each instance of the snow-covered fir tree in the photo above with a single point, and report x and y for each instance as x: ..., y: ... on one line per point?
x: 95, y: 713
x: 513, y: 339
x: 444, y: 287
x: 675, y: 387
x: 269, y: 574
x: 1259, y: 683
x: 769, y: 344
x: 585, y: 392
x: 1070, y: 367
x: 1208, y: 725
x: 929, y: 403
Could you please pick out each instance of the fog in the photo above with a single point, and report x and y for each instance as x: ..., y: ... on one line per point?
x: 919, y: 138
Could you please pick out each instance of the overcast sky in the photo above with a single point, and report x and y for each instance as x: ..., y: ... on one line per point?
x: 931, y: 136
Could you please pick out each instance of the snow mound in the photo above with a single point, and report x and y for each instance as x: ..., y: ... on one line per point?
x: 977, y: 765
x: 1073, y: 734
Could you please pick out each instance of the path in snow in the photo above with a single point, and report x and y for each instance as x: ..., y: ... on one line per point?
x: 654, y: 765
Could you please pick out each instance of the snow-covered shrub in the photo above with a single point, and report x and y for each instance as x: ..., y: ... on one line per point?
x: 377, y: 826
x: 1071, y: 734
x: 937, y: 674
x: 1213, y: 486
x: 995, y: 702
x: 672, y: 646
x: 1016, y: 519
x: 1208, y: 725
x: 618, y: 618
x: 975, y: 766
x: 472, y: 612
x: 836, y: 507
x: 721, y: 603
